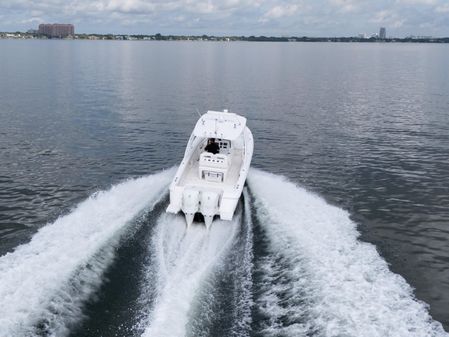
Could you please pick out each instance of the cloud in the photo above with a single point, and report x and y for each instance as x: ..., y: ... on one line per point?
x: 442, y: 8
x: 345, y: 5
x: 389, y: 18
x: 279, y: 11
x: 417, y: 2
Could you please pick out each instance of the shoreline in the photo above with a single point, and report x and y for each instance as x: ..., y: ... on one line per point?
x: 202, y: 38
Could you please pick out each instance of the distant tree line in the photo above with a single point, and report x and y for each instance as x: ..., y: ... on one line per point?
x: 160, y: 37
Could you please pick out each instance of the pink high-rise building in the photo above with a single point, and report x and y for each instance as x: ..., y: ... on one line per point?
x: 56, y: 29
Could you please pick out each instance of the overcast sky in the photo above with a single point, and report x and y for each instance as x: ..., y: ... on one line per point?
x: 239, y: 17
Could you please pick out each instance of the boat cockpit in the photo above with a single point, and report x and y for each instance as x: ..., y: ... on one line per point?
x: 215, y: 167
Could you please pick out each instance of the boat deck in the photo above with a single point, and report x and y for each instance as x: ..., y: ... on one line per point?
x: 191, y: 176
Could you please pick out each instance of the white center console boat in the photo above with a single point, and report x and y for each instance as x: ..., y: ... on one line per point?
x: 213, y: 171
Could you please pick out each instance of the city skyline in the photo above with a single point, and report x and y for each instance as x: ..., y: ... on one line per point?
x: 233, y: 17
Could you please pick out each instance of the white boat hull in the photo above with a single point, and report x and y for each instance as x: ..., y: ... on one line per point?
x: 211, y: 184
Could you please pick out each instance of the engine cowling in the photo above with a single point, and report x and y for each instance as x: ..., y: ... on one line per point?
x: 209, y: 206
x: 190, y: 204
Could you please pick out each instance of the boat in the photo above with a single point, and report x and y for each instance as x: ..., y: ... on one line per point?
x: 210, y: 179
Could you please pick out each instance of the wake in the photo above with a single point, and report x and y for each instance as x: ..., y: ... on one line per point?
x: 44, y: 283
x: 302, y: 272
x: 318, y: 279
x: 183, y: 261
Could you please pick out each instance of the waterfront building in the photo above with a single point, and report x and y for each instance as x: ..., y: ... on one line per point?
x: 382, y: 33
x: 57, y: 30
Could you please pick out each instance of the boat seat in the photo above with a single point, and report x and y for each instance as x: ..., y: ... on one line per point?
x: 215, y: 160
x: 214, y: 167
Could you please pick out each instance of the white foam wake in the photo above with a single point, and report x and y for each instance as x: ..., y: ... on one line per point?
x: 44, y: 282
x: 243, y: 297
x: 184, y: 258
x: 337, y: 285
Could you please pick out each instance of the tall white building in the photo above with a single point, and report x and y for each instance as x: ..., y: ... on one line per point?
x: 382, y: 33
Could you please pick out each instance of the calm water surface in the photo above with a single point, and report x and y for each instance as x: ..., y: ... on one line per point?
x: 366, y: 126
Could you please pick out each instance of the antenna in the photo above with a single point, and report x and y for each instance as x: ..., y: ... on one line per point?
x: 198, y: 112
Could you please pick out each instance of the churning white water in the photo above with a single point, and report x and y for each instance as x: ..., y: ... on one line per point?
x: 184, y: 258
x: 333, y: 283
x: 315, y: 279
x: 44, y: 282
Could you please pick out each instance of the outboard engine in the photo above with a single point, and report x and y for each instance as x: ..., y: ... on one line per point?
x: 190, y: 200
x: 209, y: 206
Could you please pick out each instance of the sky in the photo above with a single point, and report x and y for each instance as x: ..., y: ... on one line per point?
x: 233, y: 17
